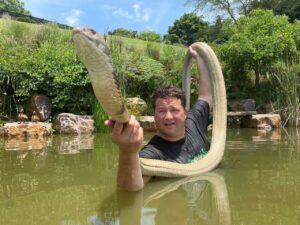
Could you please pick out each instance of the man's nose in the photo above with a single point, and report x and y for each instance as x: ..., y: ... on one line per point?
x: 168, y: 115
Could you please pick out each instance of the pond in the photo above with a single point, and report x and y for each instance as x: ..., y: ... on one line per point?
x: 71, y: 180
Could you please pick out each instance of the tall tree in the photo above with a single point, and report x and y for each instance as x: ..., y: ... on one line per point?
x: 291, y: 8
x: 231, y: 7
x: 15, y: 6
x: 187, y: 29
x: 217, y: 33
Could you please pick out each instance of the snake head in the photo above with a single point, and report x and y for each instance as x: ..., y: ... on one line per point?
x: 93, y: 36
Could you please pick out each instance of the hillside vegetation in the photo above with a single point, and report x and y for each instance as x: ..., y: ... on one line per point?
x: 259, y: 55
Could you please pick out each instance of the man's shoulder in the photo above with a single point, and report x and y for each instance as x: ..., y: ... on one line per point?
x: 150, y: 150
x: 201, y: 103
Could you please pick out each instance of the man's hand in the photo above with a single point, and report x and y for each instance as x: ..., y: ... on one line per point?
x: 128, y: 136
x: 193, y: 52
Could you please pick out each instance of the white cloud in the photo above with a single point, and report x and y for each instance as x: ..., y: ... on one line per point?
x: 121, y: 12
x: 136, y: 8
x: 138, y: 14
x: 72, y: 17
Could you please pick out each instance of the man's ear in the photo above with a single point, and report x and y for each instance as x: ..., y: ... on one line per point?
x: 186, y: 110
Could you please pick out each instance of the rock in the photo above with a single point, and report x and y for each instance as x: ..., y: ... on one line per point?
x: 241, y: 105
x: 136, y: 106
x: 68, y: 123
x: 35, y: 117
x: 41, y: 104
x: 27, y: 129
x: 265, y: 109
x: 147, y: 123
x: 262, y: 121
x: 21, y: 116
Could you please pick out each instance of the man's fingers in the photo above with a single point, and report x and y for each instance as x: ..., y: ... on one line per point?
x: 118, y: 128
x: 109, y: 124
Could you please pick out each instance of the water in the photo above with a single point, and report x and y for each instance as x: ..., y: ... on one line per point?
x: 69, y: 180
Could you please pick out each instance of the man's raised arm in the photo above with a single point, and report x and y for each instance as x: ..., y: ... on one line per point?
x: 129, y: 137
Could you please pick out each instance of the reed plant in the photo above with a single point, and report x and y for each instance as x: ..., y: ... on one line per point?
x: 285, y: 79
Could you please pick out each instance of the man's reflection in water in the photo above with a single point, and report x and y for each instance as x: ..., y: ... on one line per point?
x: 172, y: 209
x: 168, y: 202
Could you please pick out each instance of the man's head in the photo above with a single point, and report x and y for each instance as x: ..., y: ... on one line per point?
x: 169, y: 113
x: 167, y: 92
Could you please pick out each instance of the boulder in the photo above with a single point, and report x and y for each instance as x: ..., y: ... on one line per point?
x: 136, y: 106
x: 27, y: 129
x: 147, y: 123
x: 265, y: 109
x: 262, y: 121
x: 41, y: 105
x: 68, y: 123
x: 241, y: 105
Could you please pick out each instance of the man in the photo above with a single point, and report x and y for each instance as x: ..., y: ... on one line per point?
x: 181, y: 136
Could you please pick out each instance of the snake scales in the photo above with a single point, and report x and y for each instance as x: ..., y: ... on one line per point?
x: 95, y: 55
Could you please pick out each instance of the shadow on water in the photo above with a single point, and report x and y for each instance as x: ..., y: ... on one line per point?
x: 192, y: 200
x: 72, y: 180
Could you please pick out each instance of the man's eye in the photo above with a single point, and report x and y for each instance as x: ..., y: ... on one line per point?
x: 175, y: 110
x: 162, y: 111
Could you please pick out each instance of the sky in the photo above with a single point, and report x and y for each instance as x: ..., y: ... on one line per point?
x: 107, y: 15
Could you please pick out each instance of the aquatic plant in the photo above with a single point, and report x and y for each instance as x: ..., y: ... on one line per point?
x: 285, y: 79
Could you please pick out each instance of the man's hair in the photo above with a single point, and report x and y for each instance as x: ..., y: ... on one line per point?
x: 167, y: 92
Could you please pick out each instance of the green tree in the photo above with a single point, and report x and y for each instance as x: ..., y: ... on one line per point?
x: 123, y: 32
x: 258, y: 41
x: 291, y: 8
x: 217, y: 32
x: 187, y: 29
x: 149, y: 36
x: 16, y: 6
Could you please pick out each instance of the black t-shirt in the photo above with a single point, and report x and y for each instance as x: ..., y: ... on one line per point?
x: 194, y: 145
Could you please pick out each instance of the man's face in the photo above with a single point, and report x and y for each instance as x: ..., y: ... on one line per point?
x: 170, y: 117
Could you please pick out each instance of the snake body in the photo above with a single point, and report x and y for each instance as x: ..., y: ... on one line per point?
x: 94, y: 54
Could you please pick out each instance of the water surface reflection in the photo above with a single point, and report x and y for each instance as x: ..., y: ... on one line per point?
x: 51, y: 185
x: 193, y: 200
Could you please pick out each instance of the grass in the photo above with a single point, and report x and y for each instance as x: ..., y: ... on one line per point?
x: 286, y: 81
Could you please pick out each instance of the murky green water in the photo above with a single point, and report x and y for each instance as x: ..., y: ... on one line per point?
x: 71, y: 181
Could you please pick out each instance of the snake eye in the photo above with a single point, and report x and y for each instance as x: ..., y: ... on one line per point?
x: 93, y: 31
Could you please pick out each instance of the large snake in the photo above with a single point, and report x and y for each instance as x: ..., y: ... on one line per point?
x: 95, y: 55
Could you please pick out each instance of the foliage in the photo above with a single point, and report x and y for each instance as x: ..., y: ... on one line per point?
x: 138, y: 73
x: 153, y: 50
x: 41, y: 59
x: 257, y: 41
x: 16, y: 6
x: 99, y: 116
x: 149, y: 36
x: 291, y: 8
x: 123, y: 33
x: 187, y: 29
x: 217, y: 31
x: 285, y: 79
